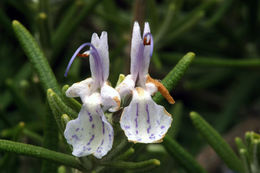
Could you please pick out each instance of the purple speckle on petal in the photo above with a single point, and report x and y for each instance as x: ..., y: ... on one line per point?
x: 103, y: 124
x: 127, y: 127
x: 110, y: 137
x: 102, y: 142
x: 77, y: 129
x: 89, y: 149
x: 162, y: 127
x: 137, y: 110
x: 93, y: 126
x: 148, y: 114
x: 158, y: 122
x: 99, y: 149
x: 136, y: 131
x: 75, y: 137
x: 152, y: 137
x: 148, y: 129
x: 103, y: 127
x: 90, y: 116
x: 91, y: 139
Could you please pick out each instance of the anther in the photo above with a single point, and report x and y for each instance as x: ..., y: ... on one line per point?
x: 83, y: 55
x: 150, y: 42
x: 146, y: 42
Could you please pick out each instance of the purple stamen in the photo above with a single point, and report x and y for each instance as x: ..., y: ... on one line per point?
x: 151, y: 42
x: 96, y: 56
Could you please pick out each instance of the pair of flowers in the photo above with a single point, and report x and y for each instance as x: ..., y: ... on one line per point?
x: 142, y: 120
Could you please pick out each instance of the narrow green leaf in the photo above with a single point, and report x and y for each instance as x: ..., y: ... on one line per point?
x: 76, y: 14
x: 166, y: 23
x: 126, y: 154
x: 153, y: 14
x: 32, y: 135
x: 157, y: 61
x: 62, y: 169
x: 50, y: 141
x: 8, y: 159
x: 209, y: 79
x: 43, y: 24
x: 177, y: 112
x: 182, y: 156
x: 248, y: 137
x: 182, y: 29
x: 44, y: 31
x: 5, y: 22
x: 118, y: 149
x: 40, y: 152
x: 64, y: 28
x: 64, y: 120
x: 173, y: 77
x: 255, y: 164
x: 55, y: 111
x: 202, y: 7
x: 19, y: 98
x: 213, y: 61
x: 143, y: 165
x: 244, y: 156
x: 59, y: 108
x: 60, y: 105
x: 217, y: 142
x: 239, y: 93
x: 240, y: 144
x: 221, y: 11
x: 36, y: 57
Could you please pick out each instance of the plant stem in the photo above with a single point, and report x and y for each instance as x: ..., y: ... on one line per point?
x: 217, y: 142
x: 173, y: 77
x: 182, y: 156
x: 40, y: 152
x: 213, y: 61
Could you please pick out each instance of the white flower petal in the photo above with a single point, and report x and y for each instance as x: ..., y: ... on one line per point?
x: 143, y: 120
x: 146, y: 28
x: 135, y: 45
x: 146, y: 57
x: 126, y: 87
x: 81, y: 89
x: 110, y: 98
x: 90, y: 133
x: 92, y: 61
x: 103, y: 52
x: 151, y: 88
x: 95, y: 40
x: 99, y: 66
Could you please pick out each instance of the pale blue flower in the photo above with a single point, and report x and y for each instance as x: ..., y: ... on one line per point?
x: 91, y: 133
x: 143, y: 120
